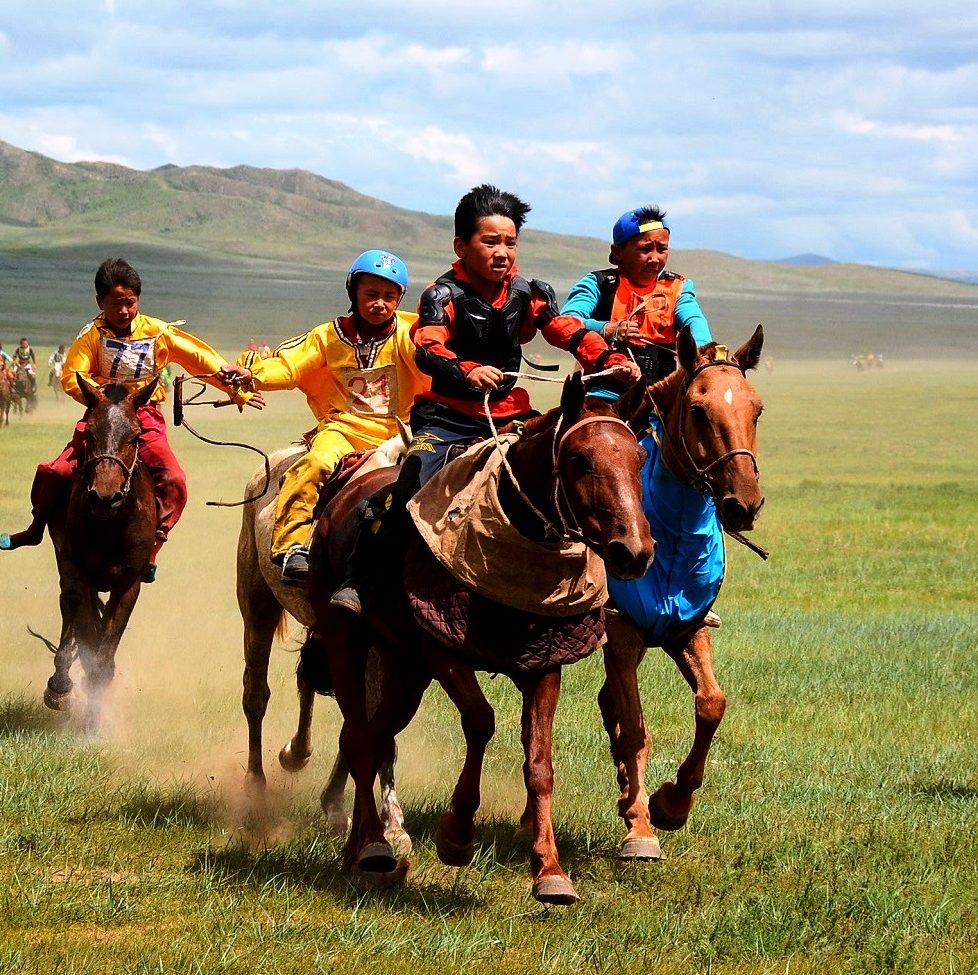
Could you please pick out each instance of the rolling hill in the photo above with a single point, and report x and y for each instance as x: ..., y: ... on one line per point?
x: 247, y: 250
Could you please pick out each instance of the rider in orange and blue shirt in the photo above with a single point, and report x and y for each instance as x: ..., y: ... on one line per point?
x: 637, y: 304
x: 123, y: 346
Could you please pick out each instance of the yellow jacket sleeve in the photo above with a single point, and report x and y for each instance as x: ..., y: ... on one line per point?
x: 291, y: 362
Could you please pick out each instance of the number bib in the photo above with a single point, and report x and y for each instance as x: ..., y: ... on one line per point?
x: 126, y: 361
x: 370, y: 392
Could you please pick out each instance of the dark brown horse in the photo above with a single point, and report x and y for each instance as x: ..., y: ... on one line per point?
x: 709, y: 485
x: 102, y: 541
x: 573, y: 482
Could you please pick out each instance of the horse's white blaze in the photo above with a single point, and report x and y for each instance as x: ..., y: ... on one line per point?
x: 728, y: 397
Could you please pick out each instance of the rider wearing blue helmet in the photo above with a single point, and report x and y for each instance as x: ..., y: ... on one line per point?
x: 359, y: 375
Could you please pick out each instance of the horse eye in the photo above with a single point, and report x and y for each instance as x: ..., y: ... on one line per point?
x: 579, y: 463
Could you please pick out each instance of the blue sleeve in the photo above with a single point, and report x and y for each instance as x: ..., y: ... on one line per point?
x: 688, y: 312
x: 582, y: 300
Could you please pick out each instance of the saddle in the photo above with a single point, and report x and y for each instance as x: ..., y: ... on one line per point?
x: 498, y: 599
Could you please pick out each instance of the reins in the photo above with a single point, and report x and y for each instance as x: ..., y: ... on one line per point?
x: 700, y: 476
x: 180, y: 420
x: 127, y: 469
x: 569, y: 528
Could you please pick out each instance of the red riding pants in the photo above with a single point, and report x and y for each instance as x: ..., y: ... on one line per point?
x: 155, y: 452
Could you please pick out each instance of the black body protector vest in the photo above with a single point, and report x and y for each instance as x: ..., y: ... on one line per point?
x: 655, y: 361
x: 483, y: 334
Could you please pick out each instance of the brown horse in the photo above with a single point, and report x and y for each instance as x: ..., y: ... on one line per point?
x: 572, y: 485
x: 709, y: 412
x: 265, y: 602
x: 102, y: 542
x: 23, y: 390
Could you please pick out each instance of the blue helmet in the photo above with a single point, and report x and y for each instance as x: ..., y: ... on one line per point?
x: 383, y: 264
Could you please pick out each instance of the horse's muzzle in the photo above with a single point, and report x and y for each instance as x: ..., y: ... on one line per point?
x: 737, y: 515
x: 104, y: 506
x: 624, y: 562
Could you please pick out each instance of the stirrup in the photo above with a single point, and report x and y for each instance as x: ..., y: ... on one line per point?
x: 295, y: 566
x: 347, y: 597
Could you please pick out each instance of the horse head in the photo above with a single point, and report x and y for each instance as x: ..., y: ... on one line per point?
x: 112, y: 432
x: 597, y: 477
x: 710, y: 411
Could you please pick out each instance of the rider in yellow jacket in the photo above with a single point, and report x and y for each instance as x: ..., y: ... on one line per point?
x: 358, y: 374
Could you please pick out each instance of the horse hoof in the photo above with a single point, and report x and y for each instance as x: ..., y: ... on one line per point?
x: 56, y: 701
x: 555, y: 889
x: 453, y: 854
x: 389, y: 879
x: 640, y: 848
x: 662, y: 817
x: 291, y: 761
x: 400, y: 842
x: 376, y: 858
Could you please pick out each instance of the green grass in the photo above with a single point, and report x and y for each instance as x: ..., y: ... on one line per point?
x: 837, y: 830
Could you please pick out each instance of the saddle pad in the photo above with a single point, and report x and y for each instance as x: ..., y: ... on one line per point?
x: 492, y: 637
x: 459, y: 516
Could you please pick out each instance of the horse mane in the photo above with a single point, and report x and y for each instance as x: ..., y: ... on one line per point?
x: 115, y: 392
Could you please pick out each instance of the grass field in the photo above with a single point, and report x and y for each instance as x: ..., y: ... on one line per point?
x: 837, y: 830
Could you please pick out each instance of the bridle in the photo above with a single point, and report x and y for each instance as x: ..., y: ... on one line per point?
x: 570, y: 526
x: 700, y: 477
x: 127, y: 469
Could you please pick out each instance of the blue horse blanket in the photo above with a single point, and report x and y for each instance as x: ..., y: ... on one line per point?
x: 686, y: 574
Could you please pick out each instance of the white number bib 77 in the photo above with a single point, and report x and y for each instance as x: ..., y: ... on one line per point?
x: 124, y: 361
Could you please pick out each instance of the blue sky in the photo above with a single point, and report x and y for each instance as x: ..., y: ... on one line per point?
x: 766, y: 129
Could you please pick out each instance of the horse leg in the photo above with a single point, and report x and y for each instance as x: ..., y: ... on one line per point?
x: 366, y: 848
x: 260, y: 614
x: 670, y: 805
x: 74, y: 595
x: 455, y: 837
x: 621, y: 711
x: 98, y: 658
x: 391, y: 814
x: 540, y: 695
x: 295, y: 754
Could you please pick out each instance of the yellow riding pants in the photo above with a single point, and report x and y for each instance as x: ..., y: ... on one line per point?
x: 300, y: 486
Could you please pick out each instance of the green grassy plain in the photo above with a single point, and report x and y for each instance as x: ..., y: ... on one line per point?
x: 837, y: 830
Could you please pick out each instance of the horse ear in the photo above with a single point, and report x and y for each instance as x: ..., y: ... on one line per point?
x: 634, y: 404
x: 749, y: 354
x: 145, y: 394
x: 89, y: 390
x: 572, y: 398
x: 686, y: 349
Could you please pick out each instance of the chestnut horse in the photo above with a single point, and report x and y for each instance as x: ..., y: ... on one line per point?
x: 265, y: 602
x: 6, y: 396
x: 102, y: 541
x: 577, y: 468
x: 705, y: 483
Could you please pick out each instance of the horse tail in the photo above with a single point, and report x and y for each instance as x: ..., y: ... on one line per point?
x: 43, y: 639
x: 282, y: 626
x: 313, y: 667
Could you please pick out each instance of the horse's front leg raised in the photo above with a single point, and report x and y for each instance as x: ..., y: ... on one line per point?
x: 671, y: 804
x: 540, y: 695
x: 621, y: 712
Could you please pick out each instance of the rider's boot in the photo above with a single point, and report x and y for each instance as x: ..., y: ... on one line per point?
x: 46, y: 493
x: 149, y: 573
x: 380, y: 525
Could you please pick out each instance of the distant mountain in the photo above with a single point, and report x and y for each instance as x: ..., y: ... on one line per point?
x: 297, y: 217
x: 805, y: 259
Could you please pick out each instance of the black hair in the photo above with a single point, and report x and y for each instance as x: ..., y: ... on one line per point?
x: 487, y: 201
x: 116, y: 271
x: 649, y: 213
